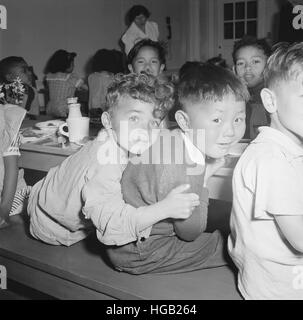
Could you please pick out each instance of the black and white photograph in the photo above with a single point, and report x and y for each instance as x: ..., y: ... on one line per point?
x: 151, y: 153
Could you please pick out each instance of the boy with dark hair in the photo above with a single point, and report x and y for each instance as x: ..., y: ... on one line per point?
x: 212, y: 119
x: 250, y: 56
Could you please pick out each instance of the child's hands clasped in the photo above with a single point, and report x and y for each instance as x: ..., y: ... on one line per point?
x: 179, y: 205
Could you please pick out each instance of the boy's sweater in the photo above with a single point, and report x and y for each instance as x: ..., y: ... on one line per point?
x: 166, y: 165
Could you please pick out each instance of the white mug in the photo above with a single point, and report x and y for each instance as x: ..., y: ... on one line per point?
x: 78, y: 128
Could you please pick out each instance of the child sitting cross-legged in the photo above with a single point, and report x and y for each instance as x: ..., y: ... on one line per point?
x: 211, y: 120
x: 266, y: 241
x: 85, y: 188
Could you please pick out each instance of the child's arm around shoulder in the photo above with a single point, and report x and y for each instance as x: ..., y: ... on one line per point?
x: 119, y: 223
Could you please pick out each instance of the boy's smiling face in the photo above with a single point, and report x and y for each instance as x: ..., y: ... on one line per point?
x: 250, y: 63
x: 147, y: 60
x: 132, y: 120
x: 223, y: 122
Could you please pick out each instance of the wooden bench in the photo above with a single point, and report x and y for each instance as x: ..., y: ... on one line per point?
x: 81, y: 272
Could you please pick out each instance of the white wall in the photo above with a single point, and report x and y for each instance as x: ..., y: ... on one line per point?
x: 36, y: 28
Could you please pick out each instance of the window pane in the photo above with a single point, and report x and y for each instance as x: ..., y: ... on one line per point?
x: 252, y: 11
x: 228, y: 30
x: 228, y: 11
x: 240, y: 29
x: 252, y: 28
x: 240, y: 10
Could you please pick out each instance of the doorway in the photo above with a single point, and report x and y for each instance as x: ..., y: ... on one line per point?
x: 234, y: 19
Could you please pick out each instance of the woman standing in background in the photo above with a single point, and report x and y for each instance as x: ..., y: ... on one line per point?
x: 140, y: 27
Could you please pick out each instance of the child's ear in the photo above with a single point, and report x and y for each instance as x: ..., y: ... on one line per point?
x: 106, y: 120
x: 130, y: 68
x: 162, y: 68
x: 182, y: 120
x: 269, y: 100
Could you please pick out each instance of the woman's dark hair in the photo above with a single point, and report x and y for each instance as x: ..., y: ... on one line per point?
x: 135, y: 11
x: 146, y: 43
x: 60, y: 61
x: 249, y: 41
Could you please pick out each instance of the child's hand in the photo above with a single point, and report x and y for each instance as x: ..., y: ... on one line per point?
x: 212, y: 166
x: 179, y: 205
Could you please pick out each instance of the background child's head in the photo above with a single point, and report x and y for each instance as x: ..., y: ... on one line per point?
x: 147, y: 56
x: 212, y: 99
x: 136, y: 104
x: 250, y: 56
x: 14, y: 67
x: 104, y: 60
x: 218, y: 61
x: 188, y: 67
x: 61, y: 61
x: 283, y: 92
x: 139, y: 15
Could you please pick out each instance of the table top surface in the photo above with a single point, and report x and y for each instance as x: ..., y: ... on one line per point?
x: 48, y: 146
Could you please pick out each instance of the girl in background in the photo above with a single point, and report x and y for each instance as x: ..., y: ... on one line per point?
x: 105, y: 65
x: 62, y: 82
x: 13, y: 68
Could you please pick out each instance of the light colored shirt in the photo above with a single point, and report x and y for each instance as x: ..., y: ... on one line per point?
x: 98, y: 83
x: 134, y: 34
x: 267, y: 181
x: 85, y: 186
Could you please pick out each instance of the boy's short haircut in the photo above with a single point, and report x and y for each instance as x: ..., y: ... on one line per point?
x: 249, y: 41
x: 147, y: 43
x: 209, y: 82
x: 7, y: 64
x: 141, y: 87
x: 284, y: 64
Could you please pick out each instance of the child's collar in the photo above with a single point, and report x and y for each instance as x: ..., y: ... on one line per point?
x: 194, y: 153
